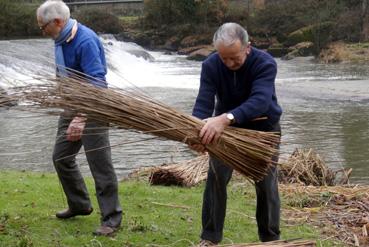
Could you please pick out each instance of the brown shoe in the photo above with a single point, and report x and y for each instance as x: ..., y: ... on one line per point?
x: 206, y: 243
x: 105, y: 231
x: 67, y: 213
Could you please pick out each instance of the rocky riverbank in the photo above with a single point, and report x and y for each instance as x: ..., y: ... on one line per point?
x: 199, y: 46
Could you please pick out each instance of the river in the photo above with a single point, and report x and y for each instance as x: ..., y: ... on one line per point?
x: 326, y: 107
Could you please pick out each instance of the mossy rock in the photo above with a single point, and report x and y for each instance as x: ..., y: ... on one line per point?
x: 277, y: 50
x: 311, y: 33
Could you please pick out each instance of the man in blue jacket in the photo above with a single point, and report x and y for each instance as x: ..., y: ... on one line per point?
x: 78, y: 49
x: 238, y: 85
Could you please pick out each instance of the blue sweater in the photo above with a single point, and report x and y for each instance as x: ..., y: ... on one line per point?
x: 247, y: 93
x: 85, y: 54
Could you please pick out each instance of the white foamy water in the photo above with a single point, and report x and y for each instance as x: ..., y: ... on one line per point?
x: 128, y: 64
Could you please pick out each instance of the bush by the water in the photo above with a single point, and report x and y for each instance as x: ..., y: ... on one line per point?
x: 289, y: 16
x: 17, y: 19
x: 99, y: 20
x: 173, y: 12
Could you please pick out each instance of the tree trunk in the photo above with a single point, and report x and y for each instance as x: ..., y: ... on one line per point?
x: 365, y: 20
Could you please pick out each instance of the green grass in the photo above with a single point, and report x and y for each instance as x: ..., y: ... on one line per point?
x: 129, y: 18
x: 28, y: 202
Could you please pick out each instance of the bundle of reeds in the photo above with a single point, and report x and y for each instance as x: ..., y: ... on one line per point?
x: 188, y: 173
x: 279, y: 243
x: 5, y: 99
x: 246, y: 151
x: 307, y: 167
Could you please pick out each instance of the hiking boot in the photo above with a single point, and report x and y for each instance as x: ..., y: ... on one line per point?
x: 105, y: 231
x: 206, y: 243
x: 67, y: 213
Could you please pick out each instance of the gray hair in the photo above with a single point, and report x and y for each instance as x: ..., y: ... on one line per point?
x: 229, y: 33
x: 53, y: 9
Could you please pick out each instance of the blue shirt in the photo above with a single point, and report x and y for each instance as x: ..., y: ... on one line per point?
x: 247, y: 93
x: 85, y: 53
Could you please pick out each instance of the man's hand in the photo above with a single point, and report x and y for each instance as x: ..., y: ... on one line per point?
x: 197, y: 147
x: 75, y: 129
x: 213, y: 129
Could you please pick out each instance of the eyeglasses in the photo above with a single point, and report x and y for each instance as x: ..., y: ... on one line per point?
x: 43, y: 27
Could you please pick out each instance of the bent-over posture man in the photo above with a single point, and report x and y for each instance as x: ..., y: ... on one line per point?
x: 238, y: 84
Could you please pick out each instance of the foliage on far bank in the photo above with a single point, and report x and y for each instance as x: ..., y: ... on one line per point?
x: 17, y: 19
x: 99, y: 20
x: 173, y: 12
x: 166, y: 23
x: 274, y: 23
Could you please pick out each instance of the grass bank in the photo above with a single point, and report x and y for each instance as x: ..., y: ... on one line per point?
x: 153, y: 215
x: 345, y: 52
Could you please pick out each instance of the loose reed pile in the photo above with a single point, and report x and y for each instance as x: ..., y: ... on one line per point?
x: 340, y: 212
x: 307, y: 167
x: 279, y: 243
x: 188, y: 173
x: 246, y: 151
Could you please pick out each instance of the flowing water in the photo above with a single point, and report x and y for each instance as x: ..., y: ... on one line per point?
x: 326, y: 107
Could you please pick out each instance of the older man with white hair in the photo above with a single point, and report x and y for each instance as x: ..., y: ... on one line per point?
x: 78, y: 49
x: 242, y: 80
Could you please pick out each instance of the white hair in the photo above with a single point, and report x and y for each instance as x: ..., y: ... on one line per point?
x: 229, y: 33
x: 53, y: 9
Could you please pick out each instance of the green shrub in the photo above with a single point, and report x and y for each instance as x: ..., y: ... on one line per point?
x: 158, y: 13
x: 17, y: 19
x: 300, y: 35
x: 99, y: 20
x: 281, y: 18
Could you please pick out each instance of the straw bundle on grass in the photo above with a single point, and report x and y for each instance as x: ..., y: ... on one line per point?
x: 246, y: 151
x: 307, y: 167
x: 279, y: 243
x: 188, y: 173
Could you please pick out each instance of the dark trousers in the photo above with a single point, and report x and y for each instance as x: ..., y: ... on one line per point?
x: 95, y: 140
x: 215, y: 203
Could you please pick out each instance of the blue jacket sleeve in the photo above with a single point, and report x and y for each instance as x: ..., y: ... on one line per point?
x: 92, y: 64
x: 261, y: 94
x: 205, y: 101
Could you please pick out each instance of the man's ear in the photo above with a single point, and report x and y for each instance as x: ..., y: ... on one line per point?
x: 59, y: 22
x: 248, y: 48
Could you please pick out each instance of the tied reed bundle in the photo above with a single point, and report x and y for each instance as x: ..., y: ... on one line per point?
x: 246, y: 151
x: 278, y: 243
x: 307, y: 167
x: 5, y: 99
x: 188, y: 173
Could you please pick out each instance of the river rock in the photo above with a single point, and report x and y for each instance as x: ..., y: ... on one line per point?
x: 195, y: 40
x: 172, y: 43
x: 277, y: 50
x: 201, y: 54
x: 302, y: 49
x: 142, y: 53
x: 188, y: 50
